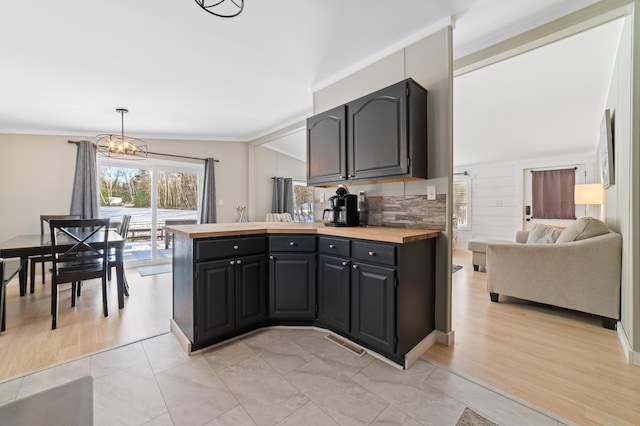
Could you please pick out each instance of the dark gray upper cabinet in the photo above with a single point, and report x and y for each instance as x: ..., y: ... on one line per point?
x: 386, y: 138
x: 327, y: 146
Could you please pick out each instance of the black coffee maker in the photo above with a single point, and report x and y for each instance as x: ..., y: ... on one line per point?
x: 344, y: 209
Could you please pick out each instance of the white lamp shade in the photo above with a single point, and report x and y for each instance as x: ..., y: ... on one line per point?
x: 592, y: 193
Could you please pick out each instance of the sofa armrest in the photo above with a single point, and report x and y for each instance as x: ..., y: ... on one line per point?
x: 582, y: 275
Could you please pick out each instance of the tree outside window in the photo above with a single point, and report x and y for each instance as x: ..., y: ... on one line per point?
x: 461, y: 201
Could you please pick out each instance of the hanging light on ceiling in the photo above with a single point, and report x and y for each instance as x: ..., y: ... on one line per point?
x: 121, y: 146
x: 222, y: 8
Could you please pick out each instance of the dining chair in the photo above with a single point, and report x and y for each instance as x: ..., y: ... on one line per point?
x: 122, y: 231
x: 42, y: 259
x: 79, y: 250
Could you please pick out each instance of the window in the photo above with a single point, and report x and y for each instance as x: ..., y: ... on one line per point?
x: 461, y: 200
x: 303, y: 202
x: 150, y: 192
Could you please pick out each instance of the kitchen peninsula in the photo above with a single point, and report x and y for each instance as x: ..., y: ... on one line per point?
x: 372, y: 286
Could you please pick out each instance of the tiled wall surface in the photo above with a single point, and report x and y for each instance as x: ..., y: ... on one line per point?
x: 403, y: 211
x: 409, y: 211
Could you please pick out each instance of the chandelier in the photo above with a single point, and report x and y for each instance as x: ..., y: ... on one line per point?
x: 222, y: 8
x: 121, y: 146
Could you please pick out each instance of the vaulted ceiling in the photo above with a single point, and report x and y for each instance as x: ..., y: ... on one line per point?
x: 183, y: 73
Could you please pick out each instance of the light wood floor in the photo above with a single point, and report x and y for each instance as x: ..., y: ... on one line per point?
x: 29, y: 343
x: 559, y: 360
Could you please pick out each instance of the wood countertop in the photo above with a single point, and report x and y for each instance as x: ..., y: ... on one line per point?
x: 373, y: 233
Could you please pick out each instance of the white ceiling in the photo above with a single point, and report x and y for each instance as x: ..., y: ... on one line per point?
x: 546, y: 102
x: 185, y: 74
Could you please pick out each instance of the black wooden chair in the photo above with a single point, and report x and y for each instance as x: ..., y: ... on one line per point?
x: 86, y: 258
x: 45, y: 218
x: 123, y: 230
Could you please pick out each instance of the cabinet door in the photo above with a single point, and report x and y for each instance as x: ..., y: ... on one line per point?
x: 377, y: 134
x: 292, y: 286
x: 215, y: 301
x: 373, y: 306
x: 334, y: 296
x: 250, y: 284
x: 326, y: 147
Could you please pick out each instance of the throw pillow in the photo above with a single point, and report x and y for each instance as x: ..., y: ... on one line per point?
x: 582, y: 228
x: 543, y: 234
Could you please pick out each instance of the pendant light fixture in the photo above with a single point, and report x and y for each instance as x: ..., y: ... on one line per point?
x: 222, y: 8
x: 121, y: 146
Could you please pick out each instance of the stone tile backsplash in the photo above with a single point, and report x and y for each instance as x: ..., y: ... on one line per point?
x: 410, y: 211
x: 403, y: 211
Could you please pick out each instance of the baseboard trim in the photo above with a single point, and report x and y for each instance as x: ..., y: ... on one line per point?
x: 446, y: 339
x: 418, y: 350
x: 182, y: 338
x: 633, y: 357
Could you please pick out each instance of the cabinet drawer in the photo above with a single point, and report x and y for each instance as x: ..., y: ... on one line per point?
x: 374, y: 252
x: 229, y: 247
x: 292, y: 243
x: 334, y: 246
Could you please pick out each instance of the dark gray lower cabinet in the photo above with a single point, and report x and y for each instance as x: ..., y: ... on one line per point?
x: 379, y: 295
x: 215, y: 299
x: 373, y: 306
x: 219, y: 287
x: 231, y: 295
x: 251, y: 290
x: 292, y: 286
x: 334, y: 292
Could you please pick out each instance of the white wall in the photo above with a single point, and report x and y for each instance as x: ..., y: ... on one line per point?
x: 619, y: 196
x: 37, y: 175
x: 270, y: 163
x: 497, y: 195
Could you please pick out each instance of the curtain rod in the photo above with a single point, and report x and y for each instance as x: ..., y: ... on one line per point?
x: 550, y: 169
x: 167, y: 155
x: 298, y: 180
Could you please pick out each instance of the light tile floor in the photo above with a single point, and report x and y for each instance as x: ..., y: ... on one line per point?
x: 278, y: 376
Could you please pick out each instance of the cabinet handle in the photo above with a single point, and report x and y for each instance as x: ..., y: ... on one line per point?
x: 352, y: 176
x: 232, y: 262
x: 355, y: 266
x: 343, y: 177
x: 271, y: 257
x: 292, y: 243
x: 235, y: 247
x: 332, y: 246
x: 345, y: 263
x: 372, y: 253
x: 238, y: 262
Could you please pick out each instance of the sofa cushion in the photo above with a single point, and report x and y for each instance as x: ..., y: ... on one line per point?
x: 582, y: 228
x: 543, y: 234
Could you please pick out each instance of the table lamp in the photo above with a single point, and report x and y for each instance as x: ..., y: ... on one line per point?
x: 590, y: 193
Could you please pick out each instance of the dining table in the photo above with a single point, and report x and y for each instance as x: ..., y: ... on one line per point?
x: 24, y: 246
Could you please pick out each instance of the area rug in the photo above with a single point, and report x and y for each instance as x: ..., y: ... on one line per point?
x: 163, y: 268
x: 455, y: 268
x: 471, y: 418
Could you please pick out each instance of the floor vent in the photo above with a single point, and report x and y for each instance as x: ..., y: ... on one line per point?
x: 348, y: 346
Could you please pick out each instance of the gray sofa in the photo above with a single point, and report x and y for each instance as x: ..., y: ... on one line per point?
x: 582, y: 274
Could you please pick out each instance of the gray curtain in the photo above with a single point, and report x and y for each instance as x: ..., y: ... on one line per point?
x: 84, y: 198
x: 553, y: 194
x: 282, y: 201
x: 208, y: 211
